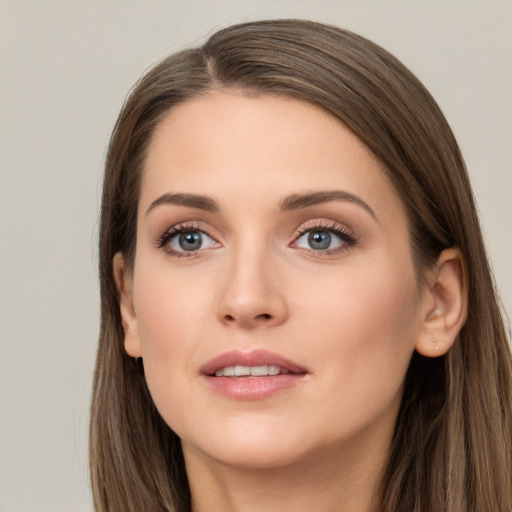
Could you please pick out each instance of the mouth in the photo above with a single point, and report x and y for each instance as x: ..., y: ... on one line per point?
x: 251, y: 371
x: 255, y: 363
x: 251, y: 375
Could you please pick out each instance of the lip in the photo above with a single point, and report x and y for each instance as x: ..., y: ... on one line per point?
x: 258, y: 357
x: 252, y: 388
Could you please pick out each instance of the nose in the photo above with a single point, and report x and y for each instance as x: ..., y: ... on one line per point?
x: 252, y: 294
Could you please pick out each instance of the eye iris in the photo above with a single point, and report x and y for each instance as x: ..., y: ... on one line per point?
x: 319, y: 240
x: 190, y: 241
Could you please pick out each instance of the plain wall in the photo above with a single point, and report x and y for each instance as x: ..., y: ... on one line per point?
x: 65, y: 70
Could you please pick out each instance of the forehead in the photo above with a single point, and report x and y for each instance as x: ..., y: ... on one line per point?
x: 239, y: 148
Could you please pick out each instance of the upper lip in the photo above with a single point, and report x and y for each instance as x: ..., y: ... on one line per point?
x: 258, y: 357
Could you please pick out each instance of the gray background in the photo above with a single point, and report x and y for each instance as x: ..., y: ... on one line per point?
x: 65, y: 70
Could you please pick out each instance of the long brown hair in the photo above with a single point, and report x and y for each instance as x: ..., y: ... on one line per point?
x: 452, y: 444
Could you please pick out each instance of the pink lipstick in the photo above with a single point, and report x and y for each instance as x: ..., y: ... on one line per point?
x: 251, y: 375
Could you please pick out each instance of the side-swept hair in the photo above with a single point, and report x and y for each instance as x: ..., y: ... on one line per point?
x: 451, y: 450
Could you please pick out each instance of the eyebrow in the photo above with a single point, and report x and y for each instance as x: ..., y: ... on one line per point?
x: 288, y: 203
x: 298, y: 201
x: 189, y: 200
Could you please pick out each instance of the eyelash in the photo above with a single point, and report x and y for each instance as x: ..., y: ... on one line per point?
x: 344, y: 234
x: 164, y: 238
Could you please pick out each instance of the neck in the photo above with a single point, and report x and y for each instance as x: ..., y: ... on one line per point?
x: 345, y: 482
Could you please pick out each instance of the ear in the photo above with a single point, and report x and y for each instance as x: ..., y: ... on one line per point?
x: 445, y: 305
x: 124, y: 281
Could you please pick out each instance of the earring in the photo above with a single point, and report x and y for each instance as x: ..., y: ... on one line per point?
x: 435, y: 341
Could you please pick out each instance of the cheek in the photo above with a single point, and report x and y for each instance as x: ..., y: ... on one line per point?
x: 365, y: 326
x: 170, y: 306
x: 171, y: 315
x: 364, y: 330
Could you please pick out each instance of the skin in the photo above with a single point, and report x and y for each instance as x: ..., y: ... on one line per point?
x: 351, y: 315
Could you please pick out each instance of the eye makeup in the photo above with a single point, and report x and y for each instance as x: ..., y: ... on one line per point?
x: 185, y: 240
x: 324, y: 237
x: 319, y: 237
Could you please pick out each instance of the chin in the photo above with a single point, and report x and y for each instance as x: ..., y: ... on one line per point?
x: 248, y: 446
x: 254, y: 455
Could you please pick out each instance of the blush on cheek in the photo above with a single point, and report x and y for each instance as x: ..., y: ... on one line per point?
x: 374, y: 318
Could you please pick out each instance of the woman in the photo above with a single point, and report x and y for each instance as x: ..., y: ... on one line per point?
x: 297, y: 309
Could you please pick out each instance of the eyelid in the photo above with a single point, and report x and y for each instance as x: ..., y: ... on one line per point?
x: 164, y: 237
x: 340, y: 230
x: 325, y: 224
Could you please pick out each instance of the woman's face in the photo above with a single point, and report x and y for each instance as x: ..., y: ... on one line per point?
x: 270, y: 243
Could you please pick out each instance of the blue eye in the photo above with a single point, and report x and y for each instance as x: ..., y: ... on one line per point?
x: 319, y: 240
x: 183, y: 241
x: 323, y: 239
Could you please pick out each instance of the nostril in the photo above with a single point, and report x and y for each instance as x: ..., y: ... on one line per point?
x: 264, y: 316
x: 229, y: 317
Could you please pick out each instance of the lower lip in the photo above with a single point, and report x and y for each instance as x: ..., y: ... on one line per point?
x: 253, y: 388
